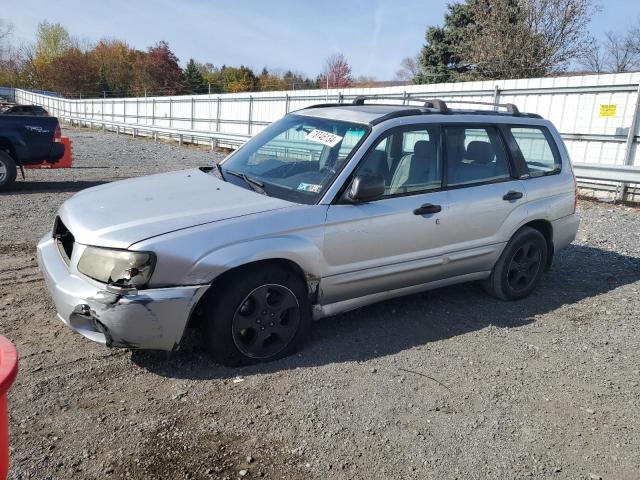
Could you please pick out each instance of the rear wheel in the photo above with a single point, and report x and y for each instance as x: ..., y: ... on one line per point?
x: 7, y: 170
x: 257, y: 316
x: 518, y: 270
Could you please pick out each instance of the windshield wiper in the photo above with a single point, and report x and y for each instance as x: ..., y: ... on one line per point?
x: 220, y: 171
x: 256, y: 185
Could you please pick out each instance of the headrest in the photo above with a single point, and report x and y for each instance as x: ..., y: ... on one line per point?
x: 480, y: 152
x: 377, y: 157
x: 423, y: 148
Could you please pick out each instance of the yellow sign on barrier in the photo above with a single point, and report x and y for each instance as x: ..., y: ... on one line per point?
x: 608, y: 110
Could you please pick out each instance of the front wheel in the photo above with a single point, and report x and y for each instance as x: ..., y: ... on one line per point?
x: 257, y: 316
x: 518, y: 270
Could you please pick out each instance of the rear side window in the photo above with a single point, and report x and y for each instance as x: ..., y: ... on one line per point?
x: 475, y: 155
x: 537, y: 150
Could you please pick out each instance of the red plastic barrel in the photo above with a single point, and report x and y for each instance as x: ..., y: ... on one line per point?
x: 8, y: 372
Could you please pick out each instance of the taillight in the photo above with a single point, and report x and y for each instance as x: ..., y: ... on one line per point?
x: 57, y: 134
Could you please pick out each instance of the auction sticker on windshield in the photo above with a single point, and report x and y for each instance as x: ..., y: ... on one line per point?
x: 325, y: 138
x: 310, y: 187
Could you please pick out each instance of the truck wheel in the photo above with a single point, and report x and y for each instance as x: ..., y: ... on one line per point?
x: 518, y: 270
x: 257, y: 316
x: 7, y: 170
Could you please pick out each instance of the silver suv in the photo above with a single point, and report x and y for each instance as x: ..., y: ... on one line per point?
x: 328, y: 209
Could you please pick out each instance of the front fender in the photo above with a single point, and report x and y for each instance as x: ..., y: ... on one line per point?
x: 304, y: 252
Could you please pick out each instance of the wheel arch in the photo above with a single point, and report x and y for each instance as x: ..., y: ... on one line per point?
x: 7, y: 146
x: 309, y: 280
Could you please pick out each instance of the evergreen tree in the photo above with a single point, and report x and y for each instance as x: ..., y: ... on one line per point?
x: 441, y: 58
x: 103, y: 84
x: 194, y: 81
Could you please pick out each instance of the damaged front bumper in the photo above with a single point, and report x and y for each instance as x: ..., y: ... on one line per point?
x: 149, y: 319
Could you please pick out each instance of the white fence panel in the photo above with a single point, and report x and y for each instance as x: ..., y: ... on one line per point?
x: 593, y: 112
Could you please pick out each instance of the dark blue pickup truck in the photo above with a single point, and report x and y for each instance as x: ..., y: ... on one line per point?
x: 27, y: 140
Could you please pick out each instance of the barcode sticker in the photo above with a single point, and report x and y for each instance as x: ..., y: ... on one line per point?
x: 325, y: 138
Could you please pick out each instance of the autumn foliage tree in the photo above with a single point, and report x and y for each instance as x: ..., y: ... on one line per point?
x: 113, y: 61
x: 158, y: 71
x: 59, y: 62
x: 73, y: 68
x: 337, y: 72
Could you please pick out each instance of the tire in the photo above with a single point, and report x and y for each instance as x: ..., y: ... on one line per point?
x: 520, y: 267
x: 257, y: 316
x: 8, y: 170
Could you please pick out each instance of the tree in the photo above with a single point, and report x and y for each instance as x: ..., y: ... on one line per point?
x: 562, y: 26
x: 114, y: 61
x: 211, y: 76
x: 297, y: 81
x: 337, y: 72
x: 270, y: 82
x: 501, y: 43
x: 241, y: 79
x: 72, y: 74
x: 6, y: 29
x: 52, y: 41
x: 440, y: 59
x: 103, y: 83
x: 193, y: 80
x: 491, y: 39
x: 616, y: 53
x: 157, y: 71
x: 409, y: 69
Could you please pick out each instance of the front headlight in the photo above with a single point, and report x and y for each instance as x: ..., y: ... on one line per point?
x: 121, y: 268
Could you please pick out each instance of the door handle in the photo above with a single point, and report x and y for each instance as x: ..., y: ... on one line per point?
x: 427, y: 208
x: 512, y: 195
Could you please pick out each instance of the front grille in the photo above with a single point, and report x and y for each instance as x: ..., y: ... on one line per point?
x: 64, y: 240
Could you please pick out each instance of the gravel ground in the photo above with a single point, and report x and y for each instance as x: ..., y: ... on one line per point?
x: 446, y: 384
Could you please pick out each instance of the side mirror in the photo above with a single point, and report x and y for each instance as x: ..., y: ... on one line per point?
x: 365, y: 188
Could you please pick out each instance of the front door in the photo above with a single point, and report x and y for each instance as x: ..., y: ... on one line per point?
x: 397, y: 240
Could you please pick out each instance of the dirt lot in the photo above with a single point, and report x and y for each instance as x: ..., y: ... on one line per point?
x: 446, y: 384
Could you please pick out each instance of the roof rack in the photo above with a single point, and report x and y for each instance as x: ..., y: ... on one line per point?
x: 509, y: 107
x: 437, y: 103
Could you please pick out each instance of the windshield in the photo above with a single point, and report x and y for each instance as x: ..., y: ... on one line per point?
x: 295, y: 158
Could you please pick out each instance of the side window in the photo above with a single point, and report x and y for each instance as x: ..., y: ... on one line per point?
x: 418, y: 169
x: 536, y: 149
x: 410, y: 138
x: 475, y: 155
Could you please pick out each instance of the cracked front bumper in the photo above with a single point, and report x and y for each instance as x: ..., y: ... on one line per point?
x: 148, y: 319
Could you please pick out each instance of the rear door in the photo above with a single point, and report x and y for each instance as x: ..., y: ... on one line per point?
x: 485, y: 196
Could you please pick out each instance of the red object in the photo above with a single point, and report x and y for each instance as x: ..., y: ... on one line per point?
x: 8, y: 372
x: 57, y: 134
x: 65, y: 162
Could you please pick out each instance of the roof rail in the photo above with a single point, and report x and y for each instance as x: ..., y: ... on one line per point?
x: 359, y: 100
x: 509, y: 107
x: 437, y: 103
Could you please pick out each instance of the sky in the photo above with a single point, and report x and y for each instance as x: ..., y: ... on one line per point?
x: 374, y: 35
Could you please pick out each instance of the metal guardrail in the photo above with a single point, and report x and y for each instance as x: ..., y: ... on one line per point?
x: 590, y: 171
x: 610, y: 173
x: 215, y: 138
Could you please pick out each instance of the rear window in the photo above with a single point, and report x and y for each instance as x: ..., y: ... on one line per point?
x: 537, y: 149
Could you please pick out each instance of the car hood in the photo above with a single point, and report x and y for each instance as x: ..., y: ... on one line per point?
x: 122, y: 213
